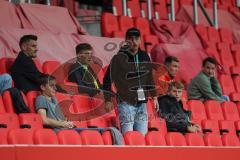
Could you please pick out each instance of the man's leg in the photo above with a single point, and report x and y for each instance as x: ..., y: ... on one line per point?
x: 5, y: 82
x: 141, y: 119
x: 126, y: 113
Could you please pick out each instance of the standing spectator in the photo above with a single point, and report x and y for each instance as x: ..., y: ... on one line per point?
x: 205, y: 85
x: 126, y: 71
x: 171, y: 109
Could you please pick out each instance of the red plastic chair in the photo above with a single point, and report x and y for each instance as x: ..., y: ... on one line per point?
x: 69, y: 137
x: 90, y: 137
x: 175, y: 139
x: 194, y: 139
x: 155, y: 138
x: 20, y: 136
x: 45, y: 136
x: 32, y: 120
x: 212, y: 140
x: 134, y: 138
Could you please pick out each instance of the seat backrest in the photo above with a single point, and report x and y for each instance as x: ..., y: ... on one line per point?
x: 69, y: 137
x: 107, y: 138
x: 2, y: 108
x: 117, y: 5
x: 212, y: 140
x: 198, y: 110
x: 90, y: 137
x: 125, y: 23
x: 213, y: 34
x: 109, y: 24
x: 194, y: 139
x: 230, y: 111
x: 213, y: 110
x: 211, y: 125
x: 9, y: 120
x: 5, y: 65
x: 81, y: 103
x: 45, y: 136
x: 143, y: 25
x: 134, y: 138
x: 20, y: 136
x: 134, y: 8
x: 227, y: 126
x: 175, y: 139
x: 50, y: 66
x: 236, y: 81
x: 3, y: 135
x: 31, y: 119
x: 226, y: 84
x: 225, y: 35
x: 230, y: 140
x: 155, y: 138
x: 31, y: 97
x: 202, y: 32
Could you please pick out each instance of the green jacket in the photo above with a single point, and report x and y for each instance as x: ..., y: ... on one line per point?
x: 203, y: 88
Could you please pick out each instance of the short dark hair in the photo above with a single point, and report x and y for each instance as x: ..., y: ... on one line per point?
x: 132, y: 32
x: 45, y: 79
x: 27, y: 38
x: 170, y: 59
x: 210, y: 60
x: 176, y: 84
x: 83, y: 46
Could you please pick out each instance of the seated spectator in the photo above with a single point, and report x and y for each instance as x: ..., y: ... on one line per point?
x: 24, y: 71
x: 205, y: 85
x: 172, y: 65
x: 171, y: 109
x: 5, y: 82
x: 47, y: 105
x: 82, y: 73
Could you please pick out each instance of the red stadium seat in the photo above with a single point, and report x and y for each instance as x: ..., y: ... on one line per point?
x: 197, y: 109
x: 20, y: 136
x: 31, y: 97
x: 213, y: 34
x: 109, y: 25
x: 226, y: 3
x: 125, y: 23
x: 202, y: 32
x: 9, y: 120
x: 175, y: 139
x: 194, y: 139
x: 2, y: 108
x: 81, y: 103
x: 230, y: 111
x: 143, y: 25
x: 5, y: 65
x: 117, y: 7
x: 45, y: 136
x: 3, y: 136
x: 236, y: 81
x: 69, y: 137
x: 213, y: 110
x: 213, y: 140
x: 134, y: 8
x: 160, y: 8
x: 134, y: 138
x: 31, y: 120
x: 7, y: 100
x: 155, y: 138
x: 230, y: 140
x: 210, y: 126
x: 98, y: 122
x: 228, y: 87
x: 227, y: 127
x: 226, y: 36
x: 90, y: 137
x: 107, y: 138
x: 50, y: 66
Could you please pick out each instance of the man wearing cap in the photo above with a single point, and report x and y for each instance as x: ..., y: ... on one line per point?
x: 131, y: 73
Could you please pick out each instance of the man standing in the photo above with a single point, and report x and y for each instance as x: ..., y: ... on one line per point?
x: 205, y: 85
x: 131, y: 73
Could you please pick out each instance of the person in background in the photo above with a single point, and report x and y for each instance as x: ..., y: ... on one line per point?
x: 5, y: 82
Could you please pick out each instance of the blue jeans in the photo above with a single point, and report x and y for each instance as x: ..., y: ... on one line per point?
x: 133, y: 118
x: 5, y: 82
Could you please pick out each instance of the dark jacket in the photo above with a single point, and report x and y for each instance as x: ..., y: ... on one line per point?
x: 25, y: 73
x: 172, y: 111
x: 123, y: 72
x: 84, y: 78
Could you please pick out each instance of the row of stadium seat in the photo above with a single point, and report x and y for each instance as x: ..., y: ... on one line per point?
x: 90, y: 137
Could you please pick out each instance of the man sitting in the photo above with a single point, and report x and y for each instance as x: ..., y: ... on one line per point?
x: 171, y: 109
x: 47, y: 105
x: 5, y: 82
x: 205, y: 85
x: 82, y: 73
